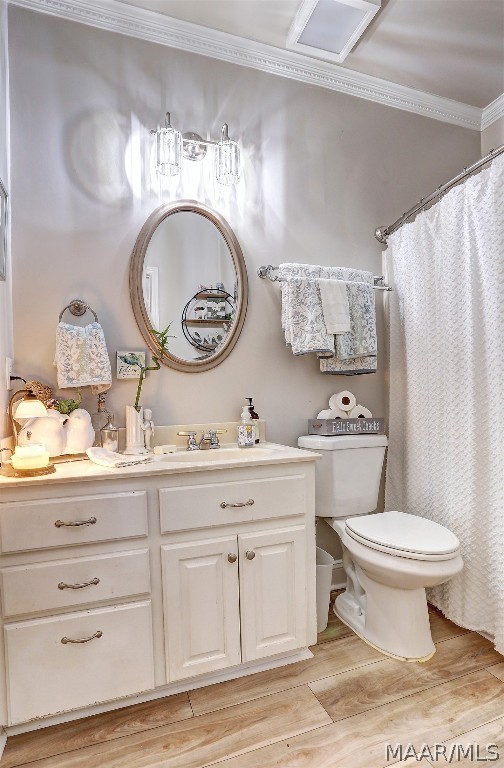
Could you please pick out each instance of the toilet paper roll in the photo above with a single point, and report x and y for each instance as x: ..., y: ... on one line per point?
x: 337, y: 413
x: 324, y: 414
x: 345, y: 401
x: 359, y: 412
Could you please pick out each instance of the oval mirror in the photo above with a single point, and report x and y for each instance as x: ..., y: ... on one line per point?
x: 187, y: 269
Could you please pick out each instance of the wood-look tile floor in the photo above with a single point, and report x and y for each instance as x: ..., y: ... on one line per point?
x: 337, y: 710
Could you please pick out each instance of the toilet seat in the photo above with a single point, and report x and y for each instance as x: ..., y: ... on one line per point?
x: 403, y: 535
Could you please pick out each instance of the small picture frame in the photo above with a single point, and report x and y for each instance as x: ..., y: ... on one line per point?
x: 126, y: 369
x: 4, y: 224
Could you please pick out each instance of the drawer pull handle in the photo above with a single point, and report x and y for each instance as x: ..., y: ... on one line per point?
x: 72, y: 523
x: 62, y: 584
x: 250, y: 554
x: 232, y: 558
x: 66, y: 640
x: 248, y: 503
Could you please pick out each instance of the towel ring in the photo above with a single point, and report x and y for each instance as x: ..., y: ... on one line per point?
x: 78, y: 307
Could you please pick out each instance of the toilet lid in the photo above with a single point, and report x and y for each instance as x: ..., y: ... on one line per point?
x: 403, y: 532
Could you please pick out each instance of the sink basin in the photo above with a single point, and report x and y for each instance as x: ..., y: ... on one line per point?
x: 215, y: 454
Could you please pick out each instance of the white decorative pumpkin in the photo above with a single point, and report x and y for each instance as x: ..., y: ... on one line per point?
x: 79, y: 432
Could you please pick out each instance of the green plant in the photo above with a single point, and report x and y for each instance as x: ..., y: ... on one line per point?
x: 67, y: 406
x: 132, y: 359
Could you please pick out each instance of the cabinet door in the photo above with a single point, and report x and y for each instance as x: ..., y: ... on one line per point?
x: 201, y: 604
x: 272, y: 592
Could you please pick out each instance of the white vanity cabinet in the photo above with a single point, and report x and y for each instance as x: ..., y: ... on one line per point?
x: 121, y: 586
x: 233, y: 599
x: 59, y: 657
x: 237, y: 597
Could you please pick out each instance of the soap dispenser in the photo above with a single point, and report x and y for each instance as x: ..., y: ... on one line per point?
x: 246, y: 430
x: 100, y: 418
x: 253, y: 415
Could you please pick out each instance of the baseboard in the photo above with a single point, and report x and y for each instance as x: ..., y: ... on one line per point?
x: 338, y: 575
x: 189, y: 684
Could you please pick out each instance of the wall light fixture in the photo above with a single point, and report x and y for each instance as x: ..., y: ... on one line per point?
x: 171, y: 145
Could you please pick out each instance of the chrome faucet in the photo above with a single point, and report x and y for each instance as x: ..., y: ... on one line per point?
x: 208, y: 440
x: 192, y: 445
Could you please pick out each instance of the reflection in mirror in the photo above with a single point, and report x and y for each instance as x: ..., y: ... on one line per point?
x: 187, y: 269
x: 189, y: 280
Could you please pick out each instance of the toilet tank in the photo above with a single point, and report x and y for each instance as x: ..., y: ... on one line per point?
x: 347, y: 477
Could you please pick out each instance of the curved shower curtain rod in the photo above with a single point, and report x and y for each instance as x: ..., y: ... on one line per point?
x: 382, y: 233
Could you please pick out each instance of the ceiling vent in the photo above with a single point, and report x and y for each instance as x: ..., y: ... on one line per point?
x: 329, y: 29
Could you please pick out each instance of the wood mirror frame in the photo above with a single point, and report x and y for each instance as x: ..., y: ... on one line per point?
x: 136, y: 283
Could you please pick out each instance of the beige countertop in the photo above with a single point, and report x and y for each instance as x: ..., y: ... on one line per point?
x: 229, y: 456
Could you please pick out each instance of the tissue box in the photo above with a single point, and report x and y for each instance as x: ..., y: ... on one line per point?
x: 331, y: 427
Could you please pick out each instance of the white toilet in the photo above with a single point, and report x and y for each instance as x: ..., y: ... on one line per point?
x: 389, y: 558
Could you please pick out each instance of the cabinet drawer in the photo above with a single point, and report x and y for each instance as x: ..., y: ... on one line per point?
x: 66, y: 583
x: 198, y: 506
x: 50, y: 523
x: 46, y: 675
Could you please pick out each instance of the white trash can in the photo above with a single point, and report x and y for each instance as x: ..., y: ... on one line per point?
x: 324, y: 568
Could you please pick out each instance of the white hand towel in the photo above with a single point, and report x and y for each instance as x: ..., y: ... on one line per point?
x: 81, y: 356
x: 106, y: 458
x: 334, y: 297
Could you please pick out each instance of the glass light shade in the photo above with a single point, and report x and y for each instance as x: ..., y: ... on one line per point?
x: 168, y: 149
x: 227, y: 168
x: 30, y: 457
x: 30, y: 408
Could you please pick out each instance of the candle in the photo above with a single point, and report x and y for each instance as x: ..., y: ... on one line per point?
x: 30, y: 457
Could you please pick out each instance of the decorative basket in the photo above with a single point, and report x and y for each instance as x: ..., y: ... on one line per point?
x: 331, y: 427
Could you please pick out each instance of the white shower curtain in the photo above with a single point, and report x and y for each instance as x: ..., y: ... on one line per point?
x: 446, y: 444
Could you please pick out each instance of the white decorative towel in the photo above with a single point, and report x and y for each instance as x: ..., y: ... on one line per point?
x: 81, y: 357
x: 354, y: 352
x: 355, y: 367
x: 334, y: 297
x: 290, y: 269
x: 106, y: 458
x: 361, y: 339
x: 288, y: 272
x: 304, y: 325
x: 347, y: 274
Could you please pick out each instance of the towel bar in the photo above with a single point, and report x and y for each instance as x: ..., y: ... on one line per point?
x: 266, y: 272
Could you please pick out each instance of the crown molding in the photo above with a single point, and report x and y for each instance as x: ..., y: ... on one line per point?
x: 148, y: 25
x: 492, y: 112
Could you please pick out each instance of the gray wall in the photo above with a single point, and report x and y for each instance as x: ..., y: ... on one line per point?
x: 5, y: 287
x: 321, y: 171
